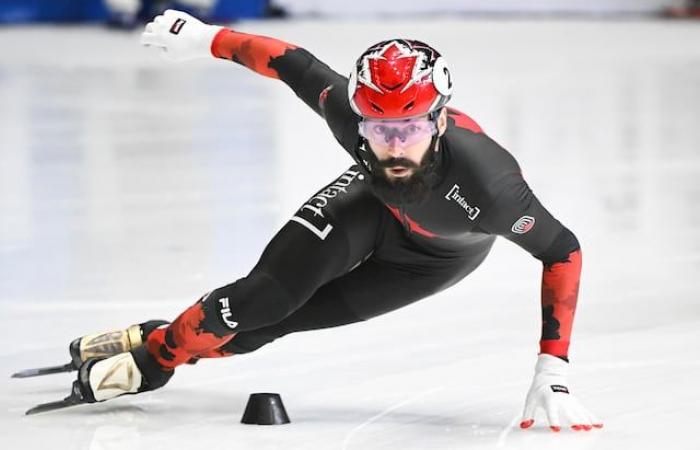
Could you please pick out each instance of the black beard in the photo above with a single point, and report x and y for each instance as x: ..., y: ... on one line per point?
x: 413, y: 189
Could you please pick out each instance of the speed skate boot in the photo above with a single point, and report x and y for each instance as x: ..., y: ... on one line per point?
x: 98, y: 345
x: 126, y: 373
x: 111, y: 343
x: 101, y: 379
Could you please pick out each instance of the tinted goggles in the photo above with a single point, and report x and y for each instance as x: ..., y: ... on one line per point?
x: 404, y: 132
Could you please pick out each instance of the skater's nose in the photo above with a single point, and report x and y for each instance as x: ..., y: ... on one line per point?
x: 395, y: 149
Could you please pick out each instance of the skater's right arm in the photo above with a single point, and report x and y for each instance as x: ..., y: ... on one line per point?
x: 184, y: 37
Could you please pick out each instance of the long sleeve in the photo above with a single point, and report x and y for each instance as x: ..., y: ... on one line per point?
x: 317, y: 85
x: 560, y: 283
x: 517, y: 215
x: 307, y: 76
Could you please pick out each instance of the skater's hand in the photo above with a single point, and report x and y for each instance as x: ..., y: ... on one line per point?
x: 549, y: 391
x: 179, y: 36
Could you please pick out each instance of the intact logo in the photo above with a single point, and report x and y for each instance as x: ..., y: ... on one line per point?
x: 177, y: 26
x: 472, y: 211
x: 317, y: 222
x: 559, y: 388
x: 523, y: 225
x: 226, y: 313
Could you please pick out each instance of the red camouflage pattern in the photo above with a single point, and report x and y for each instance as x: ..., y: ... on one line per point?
x: 252, y: 51
x: 463, y: 121
x: 413, y: 226
x: 560, y: 285
x: 183, y: 339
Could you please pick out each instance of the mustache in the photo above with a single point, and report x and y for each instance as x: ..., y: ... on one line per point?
x: 395, y: 162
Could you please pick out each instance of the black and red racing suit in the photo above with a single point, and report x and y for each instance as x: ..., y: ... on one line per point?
x: 347, y: 255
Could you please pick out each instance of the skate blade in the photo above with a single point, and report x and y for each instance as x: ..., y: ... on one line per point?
x: 51, y: 406
x: 75, y: 398
x: 28, y: 373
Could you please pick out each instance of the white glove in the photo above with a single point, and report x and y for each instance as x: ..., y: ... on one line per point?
x: 180, y: 36
x: 549, y: 391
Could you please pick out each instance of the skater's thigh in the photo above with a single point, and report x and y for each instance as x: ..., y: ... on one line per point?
x: 375, y: 287
x: 371, y: 289
x: 402, y: 271
x: 397, y: 274
x: 367, y: 291
x: 333, y: 231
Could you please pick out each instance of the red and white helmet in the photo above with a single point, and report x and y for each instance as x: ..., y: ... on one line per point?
x: 399, y: 79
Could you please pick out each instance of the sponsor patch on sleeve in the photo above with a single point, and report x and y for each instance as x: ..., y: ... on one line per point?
x: 523, y: 225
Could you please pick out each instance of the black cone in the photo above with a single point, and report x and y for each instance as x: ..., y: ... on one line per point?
x: 265, y: 409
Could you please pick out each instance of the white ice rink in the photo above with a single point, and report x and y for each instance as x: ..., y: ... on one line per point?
x: 130, y: 186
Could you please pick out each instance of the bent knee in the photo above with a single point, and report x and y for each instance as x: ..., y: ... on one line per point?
x: 252, y: 302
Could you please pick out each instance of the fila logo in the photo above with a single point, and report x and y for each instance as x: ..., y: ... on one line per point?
x: 226, y: 313
x: 523, y: 225
x: 472, y: 211
x: 177, y: 26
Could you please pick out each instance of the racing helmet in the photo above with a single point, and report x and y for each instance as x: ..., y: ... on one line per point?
x: 399, y: 79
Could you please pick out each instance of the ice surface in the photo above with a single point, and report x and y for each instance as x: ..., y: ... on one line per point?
x: 129, y: 186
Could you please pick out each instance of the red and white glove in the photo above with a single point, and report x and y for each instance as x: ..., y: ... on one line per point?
x: 549, y: 391
x: 180, y: 36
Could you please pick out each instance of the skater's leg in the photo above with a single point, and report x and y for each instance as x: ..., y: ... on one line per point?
x: 325, y: 309
x: 395, y: 276
x: 335, y: 230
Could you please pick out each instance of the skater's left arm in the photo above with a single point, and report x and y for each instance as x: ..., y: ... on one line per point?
x: 518, y: 215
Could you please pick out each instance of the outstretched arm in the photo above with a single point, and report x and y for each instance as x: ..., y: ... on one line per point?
x: 184, y: 37
x: 517, y: 215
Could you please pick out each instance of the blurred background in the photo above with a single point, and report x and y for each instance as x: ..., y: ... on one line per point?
x: 129, y: 186
x: 128, y: 12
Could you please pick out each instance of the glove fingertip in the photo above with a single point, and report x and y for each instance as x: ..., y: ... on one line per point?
x: 527, y: 423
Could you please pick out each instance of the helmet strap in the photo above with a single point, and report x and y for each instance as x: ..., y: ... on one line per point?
x: 433, y: 116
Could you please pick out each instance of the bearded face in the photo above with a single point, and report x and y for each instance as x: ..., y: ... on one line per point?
x: 399, y: 180
x: 404, y: 156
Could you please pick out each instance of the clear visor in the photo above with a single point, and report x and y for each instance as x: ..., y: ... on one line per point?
x: 403, y: 133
